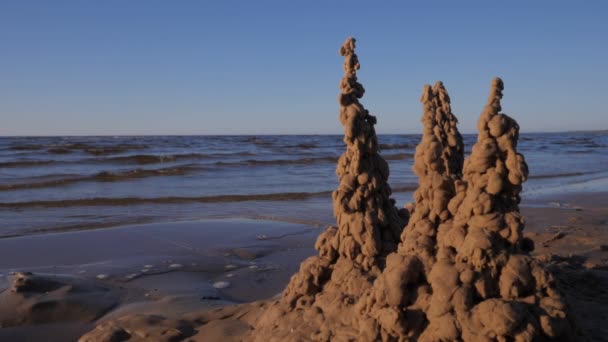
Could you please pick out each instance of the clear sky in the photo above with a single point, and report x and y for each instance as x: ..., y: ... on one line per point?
x: 262, y: 67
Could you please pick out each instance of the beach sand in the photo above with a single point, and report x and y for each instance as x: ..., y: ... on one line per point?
x: 168, y: 272
x: 82, y: 277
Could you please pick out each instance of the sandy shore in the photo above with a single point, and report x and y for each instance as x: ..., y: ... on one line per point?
x: 191, y: 274
x: 169, y: 268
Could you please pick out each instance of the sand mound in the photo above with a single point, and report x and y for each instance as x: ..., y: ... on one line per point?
x: 35, y: 299
x: 228, y: 323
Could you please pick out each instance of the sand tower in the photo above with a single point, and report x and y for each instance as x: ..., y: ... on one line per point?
x: 395, y: 306
x: 319, y: 299
x: 438, y: 165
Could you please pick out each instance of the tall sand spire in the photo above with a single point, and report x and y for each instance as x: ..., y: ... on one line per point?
x: 369, y: 224
x: 438, y: 165
x: 400, y: 296
x: 319, y: 300
x: 446, y: 130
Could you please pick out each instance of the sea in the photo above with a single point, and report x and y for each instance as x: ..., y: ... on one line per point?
x: 57, y: 184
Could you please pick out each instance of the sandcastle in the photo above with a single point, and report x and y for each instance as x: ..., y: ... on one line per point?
x: 455, y: 267
x: 462, y: 269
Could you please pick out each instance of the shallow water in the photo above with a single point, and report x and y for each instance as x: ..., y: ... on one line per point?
x: 73, y: 183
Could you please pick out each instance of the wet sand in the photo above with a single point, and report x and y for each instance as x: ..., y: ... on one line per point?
x: 571, y: 237
x: 154, y: 268
x: 170, y: 270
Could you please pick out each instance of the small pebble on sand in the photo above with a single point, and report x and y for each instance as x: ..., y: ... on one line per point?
x: 229, y: 275
x: 102, y: 276
x: 221, y: 284
x: 230, y: 267
x: 253, y: 267
x: 175, y: 266
x: 148, y: 266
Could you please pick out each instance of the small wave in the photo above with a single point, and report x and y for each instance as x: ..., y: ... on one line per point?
x: 405, y: 188
x: 22, y: 163
x: 398, y: 156
x: 302, y: 161
x: 395, y: 146
x: 107, y: 176
x: 167, y: 158
x: 259, y: 141
x: 140, y: 159
x: 585, y: 142
x: 581, y: 151
x: 106, y: 150
x: 103, y: 201
x: 558, y: 175
x: 59, y: 150
x: 104, y: 176
x: 304, y: 146
x: 86, y: 148
x: 144, y: 159
x: 27, y: 147
x: 152, y: 158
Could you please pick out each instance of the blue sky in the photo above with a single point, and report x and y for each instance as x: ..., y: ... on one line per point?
x: 263, y: 67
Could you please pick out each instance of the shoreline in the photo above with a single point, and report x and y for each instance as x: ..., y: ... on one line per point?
x: 539, y: 197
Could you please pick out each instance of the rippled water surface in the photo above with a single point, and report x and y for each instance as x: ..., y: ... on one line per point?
x: 71, y: 183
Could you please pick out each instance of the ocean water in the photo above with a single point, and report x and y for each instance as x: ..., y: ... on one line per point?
x: 74, y: 183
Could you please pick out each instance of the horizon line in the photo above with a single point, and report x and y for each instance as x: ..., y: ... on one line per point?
x: 255, y: 134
